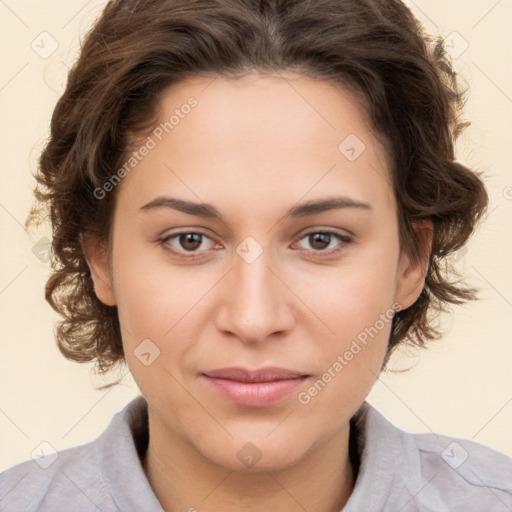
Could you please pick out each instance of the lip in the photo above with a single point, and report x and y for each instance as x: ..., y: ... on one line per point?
x: 262, y: 387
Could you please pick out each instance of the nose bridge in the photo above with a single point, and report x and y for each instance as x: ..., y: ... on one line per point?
x: 256, y: 304
x: 254, y: 282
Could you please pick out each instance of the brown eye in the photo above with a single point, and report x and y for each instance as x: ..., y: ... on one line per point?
x: 319, y: 241
x: 324, y: 242
x: 190, y: 241
x: 188, y: 244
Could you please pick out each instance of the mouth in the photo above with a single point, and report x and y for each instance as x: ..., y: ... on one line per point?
x: 255, y: 388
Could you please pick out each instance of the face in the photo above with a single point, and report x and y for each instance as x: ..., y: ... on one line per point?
x: 260, y: 232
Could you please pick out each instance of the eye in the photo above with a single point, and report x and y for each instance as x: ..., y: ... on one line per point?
x: 190, y: 242
x: 325, y: 242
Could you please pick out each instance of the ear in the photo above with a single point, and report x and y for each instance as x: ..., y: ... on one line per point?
x: 411, y: 274
x: 96, y: 254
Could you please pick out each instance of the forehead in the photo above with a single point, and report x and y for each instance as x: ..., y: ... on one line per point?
x: 280, y: 110
x: 279, y: 135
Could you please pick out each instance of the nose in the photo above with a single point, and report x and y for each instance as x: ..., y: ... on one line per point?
x: 256, y: 302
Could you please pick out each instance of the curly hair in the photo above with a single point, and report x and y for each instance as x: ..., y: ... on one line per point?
x: 137, y: 48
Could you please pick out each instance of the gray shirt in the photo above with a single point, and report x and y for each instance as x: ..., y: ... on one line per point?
x: 398, y: 472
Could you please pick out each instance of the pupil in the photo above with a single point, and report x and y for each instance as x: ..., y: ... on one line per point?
x: 322, y: 238
x: 190, y: 241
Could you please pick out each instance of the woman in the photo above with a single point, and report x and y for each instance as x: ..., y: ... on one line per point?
x: 252, y: 205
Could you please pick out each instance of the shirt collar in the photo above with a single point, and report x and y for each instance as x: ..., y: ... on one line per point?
x: 119, y: 453
x: 384, y: 467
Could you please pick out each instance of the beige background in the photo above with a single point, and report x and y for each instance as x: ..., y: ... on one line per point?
x: 462, y: 386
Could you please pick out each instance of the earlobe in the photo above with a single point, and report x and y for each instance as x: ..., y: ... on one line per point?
x: 411, y: 273
x: 96, y: 254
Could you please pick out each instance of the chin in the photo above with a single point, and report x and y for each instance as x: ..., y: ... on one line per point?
x: 257, y: 455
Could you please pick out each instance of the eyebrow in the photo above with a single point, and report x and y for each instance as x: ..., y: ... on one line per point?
x: 206, y: 210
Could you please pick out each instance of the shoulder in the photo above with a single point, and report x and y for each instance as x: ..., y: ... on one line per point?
x: 468, y: 471
x: 70, y: 477
x: 105, y: 474
x: 435, y: 472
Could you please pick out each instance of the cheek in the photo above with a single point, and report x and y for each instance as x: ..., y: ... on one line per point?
x: 161, y: 303
x: 354, y: 304
x: 351, y: 297
x: 351, y: 359
x: 152, y: 296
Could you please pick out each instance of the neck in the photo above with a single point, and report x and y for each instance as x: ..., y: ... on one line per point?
x: 183, y: 479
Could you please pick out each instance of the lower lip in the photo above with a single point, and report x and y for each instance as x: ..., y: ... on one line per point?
x: 255, y: 394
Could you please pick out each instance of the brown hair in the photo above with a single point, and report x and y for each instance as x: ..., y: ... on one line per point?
x: 137, y: 48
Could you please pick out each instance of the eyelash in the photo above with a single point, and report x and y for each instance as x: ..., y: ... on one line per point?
x: 344, y: 239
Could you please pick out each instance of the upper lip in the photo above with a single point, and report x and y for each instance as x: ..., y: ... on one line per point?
x: 266, y: 374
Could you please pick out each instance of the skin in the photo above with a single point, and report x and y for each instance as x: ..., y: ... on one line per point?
x: 253, y: 148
